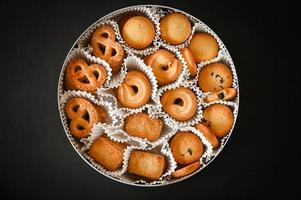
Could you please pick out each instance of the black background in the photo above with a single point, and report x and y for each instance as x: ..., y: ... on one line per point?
x: 260, y: 159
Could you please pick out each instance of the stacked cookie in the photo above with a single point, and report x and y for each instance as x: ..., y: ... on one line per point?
x: 149, y: 95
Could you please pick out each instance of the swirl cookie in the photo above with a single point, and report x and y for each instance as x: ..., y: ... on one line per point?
x: 135, y: 90
x: 179, y: 103
x: 81, y: 76
x: 165, y: 65
x: 105, y: 47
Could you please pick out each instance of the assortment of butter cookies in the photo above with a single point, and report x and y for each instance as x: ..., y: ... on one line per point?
x: 198, y: 90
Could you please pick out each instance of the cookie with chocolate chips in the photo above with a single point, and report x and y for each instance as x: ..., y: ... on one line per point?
x: 186, y: 148
x: 215, y: 77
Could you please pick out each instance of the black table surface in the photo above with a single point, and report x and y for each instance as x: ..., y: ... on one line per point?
x: 260, y: 159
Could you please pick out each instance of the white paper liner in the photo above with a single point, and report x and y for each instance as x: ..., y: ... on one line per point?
x: 161, y: 149
x: 199, y: 113
x: 234, y: 108
x: 150, y: 15
x: 167, y: 131
x: 80, y: 53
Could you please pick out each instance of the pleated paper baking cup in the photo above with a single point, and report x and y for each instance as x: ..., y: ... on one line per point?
x: 105, y: 96
x: 133, y: 63
x: 168, y: 129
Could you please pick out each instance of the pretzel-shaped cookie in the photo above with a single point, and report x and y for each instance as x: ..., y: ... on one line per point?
x: 83, y: 77
x: 83, y: 115
x: 104, y: 46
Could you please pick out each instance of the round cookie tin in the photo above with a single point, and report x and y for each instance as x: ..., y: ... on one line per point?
x: 133, y: 60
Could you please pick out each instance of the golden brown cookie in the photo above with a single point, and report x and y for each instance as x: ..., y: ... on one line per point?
x: 81, y: 76
x: 225, y: 94
x: 135, y: 90
x: 175, y: 28
x: 179, y: 103
x: 184, y: 171
x: 149, y: 165
x: 165, y: 65
x: 105, y: 47
x: 186, y: 148
x: 208, y: 134
x: 203, y: 46
x: 191, y: 64
x: 103, y: 116
x: 83, y: 115
x: 107, y: 153
x: 215, y: 77
x: 219, y: 118
x: 143, y: 126
x: 138, y: 32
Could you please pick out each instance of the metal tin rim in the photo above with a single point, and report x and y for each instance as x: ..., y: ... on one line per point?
x: 113, y: 178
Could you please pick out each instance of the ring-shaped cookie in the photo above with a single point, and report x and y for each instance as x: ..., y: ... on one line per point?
x: 135, y: 90
x: 179, y: 103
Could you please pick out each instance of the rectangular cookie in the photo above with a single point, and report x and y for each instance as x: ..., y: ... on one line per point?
x: 107, y: 153
x: 149, y: 165
x: 143, y: 126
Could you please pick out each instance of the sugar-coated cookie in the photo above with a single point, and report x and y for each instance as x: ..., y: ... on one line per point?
x: 175, y: 28
x: 138, y: 32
